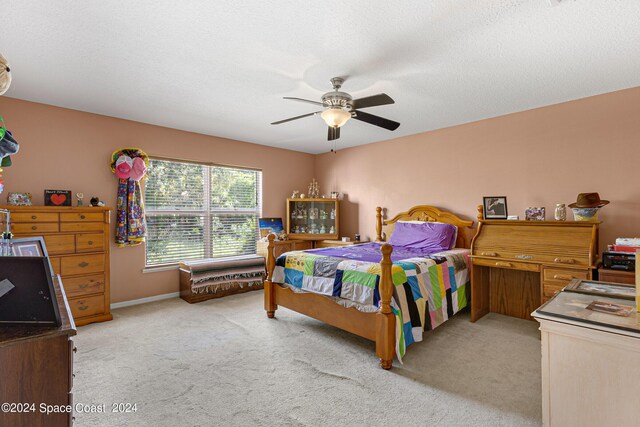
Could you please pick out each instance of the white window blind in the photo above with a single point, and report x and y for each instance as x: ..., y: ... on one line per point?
x: 197, y: 211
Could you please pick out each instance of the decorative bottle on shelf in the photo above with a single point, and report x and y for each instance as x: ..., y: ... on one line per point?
x: 561, y: 212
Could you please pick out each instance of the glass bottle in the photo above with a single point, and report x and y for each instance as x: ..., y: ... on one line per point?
x: 560, y: 212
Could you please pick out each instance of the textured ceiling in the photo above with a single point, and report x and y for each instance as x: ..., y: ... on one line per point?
x: 222, y: 68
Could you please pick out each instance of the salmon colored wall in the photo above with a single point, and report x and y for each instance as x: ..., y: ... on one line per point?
x: 536, y: 158
x: 70, y: 150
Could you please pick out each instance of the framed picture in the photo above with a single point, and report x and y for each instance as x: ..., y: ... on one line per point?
x: 495, y: 207
x: 534, y: 214
x: 57, y: 197
x: 19, y: 199
x: 270, y: 225
x: 31, y: 247
x: 591, y: 287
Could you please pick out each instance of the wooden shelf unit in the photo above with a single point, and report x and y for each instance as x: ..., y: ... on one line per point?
x: 295, y: 222
x: 518, y: 265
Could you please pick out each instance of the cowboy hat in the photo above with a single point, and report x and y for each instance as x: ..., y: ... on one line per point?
x: 588, y: 200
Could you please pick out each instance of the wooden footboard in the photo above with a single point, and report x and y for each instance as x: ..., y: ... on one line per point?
x: 378, y: 327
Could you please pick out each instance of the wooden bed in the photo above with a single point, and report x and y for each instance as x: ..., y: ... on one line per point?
x: 378, y: 326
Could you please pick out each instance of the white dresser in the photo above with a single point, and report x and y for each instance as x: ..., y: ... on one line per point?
x: 590, y: 370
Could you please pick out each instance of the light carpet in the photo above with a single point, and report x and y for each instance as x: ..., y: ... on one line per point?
x: 222, y: 362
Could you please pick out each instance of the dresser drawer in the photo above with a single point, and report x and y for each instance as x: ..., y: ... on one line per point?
x: 58, y: 244
x: 549, y: 289
x: 564, y: 275
x: 34, y: 228
x: 82, y: 217
x: 506, y: 264
x: 84, y: 285
x: 34, y: 217
x: 55, y: 265
x: 93, y: 242
x: 81, y: 264
x: 81, y: 226
x: 86, y: 306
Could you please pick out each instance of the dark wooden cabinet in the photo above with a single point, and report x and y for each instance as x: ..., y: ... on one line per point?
x: 617, y: 276
x: 36, y: 368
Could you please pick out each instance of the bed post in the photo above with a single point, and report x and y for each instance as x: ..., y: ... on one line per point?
x: 385, y: 320
x: 269, y: 296
x: 378, y: 224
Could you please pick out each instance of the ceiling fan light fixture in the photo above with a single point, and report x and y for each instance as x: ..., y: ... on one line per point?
x: 335, y: 117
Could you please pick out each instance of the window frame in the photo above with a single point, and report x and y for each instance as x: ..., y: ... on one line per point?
x: 207, y: 212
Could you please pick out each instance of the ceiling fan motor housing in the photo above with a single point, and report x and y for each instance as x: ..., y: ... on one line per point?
x: 337, y: 99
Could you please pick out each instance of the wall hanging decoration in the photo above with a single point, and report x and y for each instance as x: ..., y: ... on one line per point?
x: 130, y: 166
x: 5, y: 75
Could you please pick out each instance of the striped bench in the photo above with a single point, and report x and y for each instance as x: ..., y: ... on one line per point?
x: 214, y: 278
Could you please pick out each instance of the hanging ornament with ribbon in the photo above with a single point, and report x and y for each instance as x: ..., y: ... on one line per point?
x: 5, y: 75
x: 130, y: 166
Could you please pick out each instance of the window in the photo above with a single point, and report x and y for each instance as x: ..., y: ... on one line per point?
x: 197, y: 211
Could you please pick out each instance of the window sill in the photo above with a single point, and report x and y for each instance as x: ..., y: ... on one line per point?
x: 169, y: 267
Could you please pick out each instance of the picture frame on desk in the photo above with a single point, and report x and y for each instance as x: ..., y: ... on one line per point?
x: 591, y: 287
x: 494, y: 207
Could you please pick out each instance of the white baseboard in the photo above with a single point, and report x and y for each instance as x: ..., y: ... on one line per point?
x: 144, y: 300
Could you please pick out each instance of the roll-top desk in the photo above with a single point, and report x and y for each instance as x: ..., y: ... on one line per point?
x: 518, y: 265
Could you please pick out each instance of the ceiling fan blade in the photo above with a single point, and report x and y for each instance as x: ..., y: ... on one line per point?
x: 304, y: 100
x: 376, y: 120
x: 296, y: 118
x: 372, y: 101
x: 334, y: 133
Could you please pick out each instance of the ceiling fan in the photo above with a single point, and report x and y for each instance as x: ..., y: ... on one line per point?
x: 339, y: 107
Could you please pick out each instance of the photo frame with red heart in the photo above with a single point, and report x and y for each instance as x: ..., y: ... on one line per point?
x: 57, y: 198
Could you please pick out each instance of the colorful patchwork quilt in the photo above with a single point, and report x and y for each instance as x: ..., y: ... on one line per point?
x: 429, y: 288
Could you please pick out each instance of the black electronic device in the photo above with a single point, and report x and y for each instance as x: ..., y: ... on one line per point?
x: 28, y: 295
x: 624, y: 261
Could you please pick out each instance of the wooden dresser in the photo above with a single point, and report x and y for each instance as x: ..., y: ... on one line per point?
x: 77, y: 240
x: 518, y: 265
x: 37, y: 368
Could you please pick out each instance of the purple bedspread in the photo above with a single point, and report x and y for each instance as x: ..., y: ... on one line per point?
x: 370, y: 252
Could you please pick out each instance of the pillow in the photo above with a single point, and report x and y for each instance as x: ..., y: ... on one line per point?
x: 432, y: 236
x: 454, y: 238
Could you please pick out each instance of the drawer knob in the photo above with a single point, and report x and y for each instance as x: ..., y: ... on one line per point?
x: 84, y: 285
x: 503, y: 264
x: 488, y: 254
x: 34, y: 227
x: 82, y: 307
x: 34, y: 217
x: 82, y: 217
x: 90, y: 242
x: 83, y: 264
x: 563, y: 276
x: 565, y: 260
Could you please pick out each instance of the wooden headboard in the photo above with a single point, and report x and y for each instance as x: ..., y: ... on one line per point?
x: 424, y: 213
